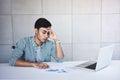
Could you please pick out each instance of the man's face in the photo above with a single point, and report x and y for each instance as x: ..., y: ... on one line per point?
x: 43, y: 34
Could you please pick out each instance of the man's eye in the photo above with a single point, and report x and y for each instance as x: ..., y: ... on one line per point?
x: 43, y: 32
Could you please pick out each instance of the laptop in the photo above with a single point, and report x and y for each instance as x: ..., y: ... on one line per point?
x: 104, y: 59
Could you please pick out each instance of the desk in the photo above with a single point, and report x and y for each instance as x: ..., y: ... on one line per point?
x: 7, y: 72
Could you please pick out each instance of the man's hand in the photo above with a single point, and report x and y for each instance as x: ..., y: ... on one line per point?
x: 40, y: 65
x: 53, y: 35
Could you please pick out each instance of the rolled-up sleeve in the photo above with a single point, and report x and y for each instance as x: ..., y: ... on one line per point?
x: 17, y: 52
x: 53, y: 53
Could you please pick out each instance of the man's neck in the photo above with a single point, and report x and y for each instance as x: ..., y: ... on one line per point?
x: 38, y: 42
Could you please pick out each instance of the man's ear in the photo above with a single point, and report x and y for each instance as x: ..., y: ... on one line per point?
x: 36, y: 31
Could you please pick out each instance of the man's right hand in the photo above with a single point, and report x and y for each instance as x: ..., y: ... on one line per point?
x: 40, y: 65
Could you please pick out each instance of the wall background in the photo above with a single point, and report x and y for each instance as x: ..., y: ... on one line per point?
x: 83, y: 26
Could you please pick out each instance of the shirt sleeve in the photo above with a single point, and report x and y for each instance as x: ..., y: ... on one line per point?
x: 17, y: 52
x: 53, y: 53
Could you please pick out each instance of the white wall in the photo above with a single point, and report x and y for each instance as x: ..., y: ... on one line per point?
x: 83, y: 26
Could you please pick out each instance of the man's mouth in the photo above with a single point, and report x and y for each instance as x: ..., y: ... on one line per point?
x: 44, y: 39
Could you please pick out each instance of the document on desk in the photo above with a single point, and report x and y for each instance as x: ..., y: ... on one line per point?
x: 59, y: 68
x: 56, y: 70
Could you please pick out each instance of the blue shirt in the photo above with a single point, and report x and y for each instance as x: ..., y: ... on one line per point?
x: 28, y: 50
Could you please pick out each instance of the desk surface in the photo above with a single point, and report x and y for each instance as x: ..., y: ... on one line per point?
x: 112, y: 72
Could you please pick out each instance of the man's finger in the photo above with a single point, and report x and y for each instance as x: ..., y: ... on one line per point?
x: 47, y: 66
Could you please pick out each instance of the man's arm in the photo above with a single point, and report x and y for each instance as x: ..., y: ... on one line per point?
x: 23, y: 63
x: 59, y: 51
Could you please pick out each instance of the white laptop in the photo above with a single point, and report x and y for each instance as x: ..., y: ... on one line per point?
x: 104, y: 59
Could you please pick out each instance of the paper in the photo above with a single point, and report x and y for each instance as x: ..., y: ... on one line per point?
x: 57, y: 70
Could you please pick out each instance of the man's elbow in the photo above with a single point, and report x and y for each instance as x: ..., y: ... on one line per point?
x: 12, y: 62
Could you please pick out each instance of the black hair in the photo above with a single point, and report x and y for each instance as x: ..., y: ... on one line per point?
x: 42, y: 22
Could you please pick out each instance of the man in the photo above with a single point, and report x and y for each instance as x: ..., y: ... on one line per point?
x: 33, y: 51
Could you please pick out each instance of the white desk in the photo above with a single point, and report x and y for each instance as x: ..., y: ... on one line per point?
x: 28, y: 73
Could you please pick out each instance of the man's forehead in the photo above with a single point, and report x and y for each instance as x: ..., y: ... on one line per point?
x: 46, y: 29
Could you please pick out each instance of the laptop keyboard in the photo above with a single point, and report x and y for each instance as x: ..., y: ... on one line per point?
x: 92, y: 66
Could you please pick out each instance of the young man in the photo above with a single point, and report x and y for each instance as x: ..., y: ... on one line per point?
x: 33, y: 51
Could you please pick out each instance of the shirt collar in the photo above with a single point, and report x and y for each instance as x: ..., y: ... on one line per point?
x: 34, y: 44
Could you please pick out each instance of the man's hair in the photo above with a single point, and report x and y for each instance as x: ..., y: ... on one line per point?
x: 42, y: 22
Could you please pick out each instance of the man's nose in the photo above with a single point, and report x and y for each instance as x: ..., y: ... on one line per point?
x: 46, y: 35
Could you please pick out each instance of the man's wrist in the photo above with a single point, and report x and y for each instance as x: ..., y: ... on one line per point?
x: 57, y: 41
x: 33, y: 64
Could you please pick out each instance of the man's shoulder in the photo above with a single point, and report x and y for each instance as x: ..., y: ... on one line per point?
x: 26, y: 39
x: 50, y: 40
x: 49, y: 43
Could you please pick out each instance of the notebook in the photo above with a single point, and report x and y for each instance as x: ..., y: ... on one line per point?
x: 104, y: 59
